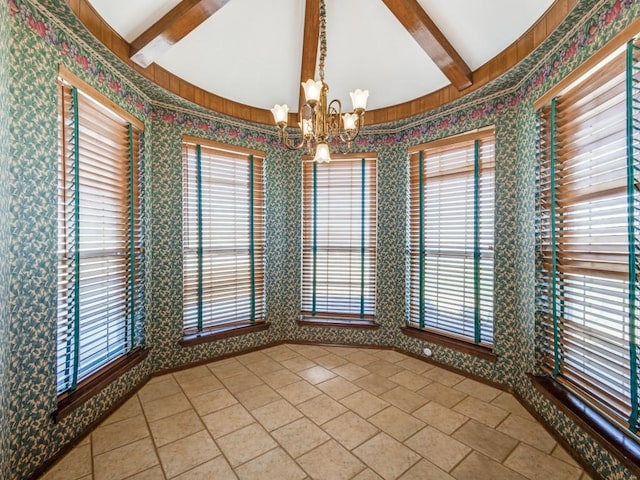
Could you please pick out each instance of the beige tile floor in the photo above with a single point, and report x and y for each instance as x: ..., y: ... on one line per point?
x: 296, y: 412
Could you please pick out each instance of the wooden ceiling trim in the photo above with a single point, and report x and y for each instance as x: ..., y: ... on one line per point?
x: 171, y: 28
x: 432, y: 40
x: 309, y: 44
x: 491, y: 70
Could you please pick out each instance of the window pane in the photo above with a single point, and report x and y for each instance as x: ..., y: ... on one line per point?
x: 100, y: 274
x: 223, y: 273
x: 451, y: 237
x: 339, y: 239
x: 583, y: 277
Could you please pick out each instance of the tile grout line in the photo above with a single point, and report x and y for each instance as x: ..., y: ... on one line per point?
x: 205, y: 429
x: 459, y: 462
x: 93, y: 468
x: 127, y: 442
x: 581, y: 472
x: 331, y: 437
x: 278, y: 445
x: 146, y: 420
x: 205, y: 425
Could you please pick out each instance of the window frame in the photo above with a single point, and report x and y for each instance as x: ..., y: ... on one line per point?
x: 256, y: 210
x: 415, y: 327
x: 583, y: 407
x: 368, y: 247
x: 84, y: 386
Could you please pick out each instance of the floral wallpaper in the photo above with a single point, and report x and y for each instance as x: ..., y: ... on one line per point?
x: 44, y: 34
x: 34, y: 437
x: 4, y: 240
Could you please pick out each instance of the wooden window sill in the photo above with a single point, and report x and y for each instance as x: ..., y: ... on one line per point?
x: 221, y: 333
x: 481, y: 351
x: 67, y: 402
x: 337, y: 322
x: 607, y: 433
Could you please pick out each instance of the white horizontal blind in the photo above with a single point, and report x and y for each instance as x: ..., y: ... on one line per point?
x: 588, y: 204
x: 339, y: 239
x: 451, y: 237
x: 223, y: 238
x: 100, y: 238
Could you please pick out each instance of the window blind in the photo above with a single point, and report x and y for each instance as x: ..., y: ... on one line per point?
x: 588, y: 237
x: 339, y: 240
x: 223, y: 237
x: 451, y: 237
x: 100, y: 237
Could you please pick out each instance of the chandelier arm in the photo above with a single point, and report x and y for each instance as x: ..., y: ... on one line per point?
x: 334, y: 117
x: 288, y: 142
x: 337, y: 102
x: 347, y: 138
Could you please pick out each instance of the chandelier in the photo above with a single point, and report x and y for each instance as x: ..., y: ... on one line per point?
x: 322, y: 123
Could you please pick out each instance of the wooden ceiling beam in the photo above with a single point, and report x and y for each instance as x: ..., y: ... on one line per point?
x: 309, y: 44
x: 432, y: 40
x: 171, y: 28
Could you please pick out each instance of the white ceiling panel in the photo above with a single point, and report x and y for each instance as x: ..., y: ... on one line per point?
x: 480, y: 30
x: 250, y: 51
x: 368, y: 48
x: 130, y: 18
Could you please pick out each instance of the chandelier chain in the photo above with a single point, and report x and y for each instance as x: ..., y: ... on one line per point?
x: 323, y: 38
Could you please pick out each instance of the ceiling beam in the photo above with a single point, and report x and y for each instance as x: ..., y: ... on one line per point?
x: 431, y: 39
x: 309, y: 44
x: 171, y: 28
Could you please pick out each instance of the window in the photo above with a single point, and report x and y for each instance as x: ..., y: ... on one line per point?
x: 339, y: 240
x: 223, y: 237
x: 100, y: 235
x: 588, y: 235
x: 451, y: 237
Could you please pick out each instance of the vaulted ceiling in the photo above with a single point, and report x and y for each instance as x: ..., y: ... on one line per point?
x: 256, y: 52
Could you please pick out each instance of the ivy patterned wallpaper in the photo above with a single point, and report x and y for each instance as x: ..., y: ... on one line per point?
x: 4, y: 238
x: 45, y: 34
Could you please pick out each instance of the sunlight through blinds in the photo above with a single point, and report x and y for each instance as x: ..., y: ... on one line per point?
x: 100, y: 237
x: 451, y: 236
x: 339, y: 239
x: 587, y: 235
x: 223, y: 238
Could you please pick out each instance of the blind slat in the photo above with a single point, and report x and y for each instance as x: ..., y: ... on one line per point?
x: 587, y: 187
x: 339, y: 238
x: 451, y: 214
x: 223, y: 271
x: 100, y: 237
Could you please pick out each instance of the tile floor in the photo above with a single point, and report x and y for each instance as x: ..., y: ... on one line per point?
x: 296, y: 412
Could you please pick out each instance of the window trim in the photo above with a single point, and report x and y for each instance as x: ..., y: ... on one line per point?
x: 469, y: 345
x: 88, y: 387
x: 337, y: 319
x: 222, y: 332
x: 587, y: 412
x: 607, y: 433
x: 235, y: 328
x: 333, y: 322
x: 68, y: 400
x: 71, y: 78
x: 462, y: 344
